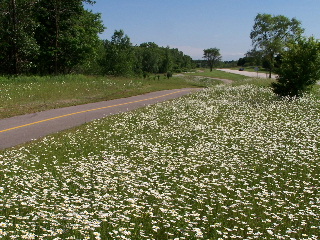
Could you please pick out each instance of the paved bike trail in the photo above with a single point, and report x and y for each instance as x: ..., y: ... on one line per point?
x: 22, y: 129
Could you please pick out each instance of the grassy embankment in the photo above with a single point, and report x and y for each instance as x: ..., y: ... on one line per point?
x: 23, y: 95
x: 218, y: 74
x: 230, y: 162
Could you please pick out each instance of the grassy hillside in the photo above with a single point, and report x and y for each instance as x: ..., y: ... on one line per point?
x: 230, y: 162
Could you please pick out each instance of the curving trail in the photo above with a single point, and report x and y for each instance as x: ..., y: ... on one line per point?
x: 21, y: 129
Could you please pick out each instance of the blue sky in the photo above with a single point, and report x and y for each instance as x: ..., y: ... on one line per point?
x: 194, y: 25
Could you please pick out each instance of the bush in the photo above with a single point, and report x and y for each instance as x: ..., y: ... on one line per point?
x: 299, y: 69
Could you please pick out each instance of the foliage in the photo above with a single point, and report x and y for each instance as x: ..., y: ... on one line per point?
x: 299, y: 69
x: 67, y: 35
x: 271, y: 33
x: 91, y: 64
x: 253, y: 58
x: 121, y: 58
x: 150, y: 57
x: 17, y: 39
x: 46, y: 36
x: 241, y: 62
x: 118, y: 56
x: 221, y: 64
x: 61, y: 37
x: 212, y: 55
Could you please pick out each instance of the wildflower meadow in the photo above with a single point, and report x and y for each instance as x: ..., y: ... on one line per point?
x: 228, y: 162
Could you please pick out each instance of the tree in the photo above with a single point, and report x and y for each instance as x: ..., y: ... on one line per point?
x: 167, y: 61
x: 241, y: 62
x: 119, y: 55
x: 212, y: 55
x: 299, y: 69
x: 121, y: 58
x: 17, y: 39
x: 271, y: 33
x: 46, y: 36
x: 150, y: 57
x: 66, y: 34
x: 254, y: 57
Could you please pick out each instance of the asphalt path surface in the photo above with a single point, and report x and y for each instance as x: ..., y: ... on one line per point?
x: 25, y: 128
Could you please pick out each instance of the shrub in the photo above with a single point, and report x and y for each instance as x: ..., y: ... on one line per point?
x: 299, y: 69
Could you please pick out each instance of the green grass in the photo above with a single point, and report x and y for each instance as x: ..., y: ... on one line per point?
x: 252, y: 69
x: 229, y: 162
x: 23, y: 95
x: 218, y: 74
x: 261, y: 82
x: 266, y: 83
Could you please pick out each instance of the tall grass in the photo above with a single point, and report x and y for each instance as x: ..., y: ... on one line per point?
x: 230, y: 162
x: 21, y: 95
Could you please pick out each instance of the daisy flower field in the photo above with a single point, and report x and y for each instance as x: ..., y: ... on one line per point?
x: 228, y: 162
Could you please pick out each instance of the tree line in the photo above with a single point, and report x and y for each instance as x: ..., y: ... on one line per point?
x: 61, y: 37
x: 47, y: 36
x: 121, y: 57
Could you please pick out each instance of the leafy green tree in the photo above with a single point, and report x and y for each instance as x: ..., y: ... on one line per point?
x: 150, y: 57
x: 271, y: 33
x: 180, y: 61
x: 67, y: 34
x: 119, y: 55
x: 121, y: 58
x: 187, y: 63
x: 167, y: 61
x: 17, y: 41
x: 254, y: 57
x: 137, y: 61
x: 299, y: 69
x: 46, y: 36
x: 241, y: 62
x: 177, y: 60
x: 83, y: 44
x: 213, y: 56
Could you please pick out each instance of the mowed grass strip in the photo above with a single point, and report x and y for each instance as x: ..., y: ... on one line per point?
x: 218, y: 74
x: 230, y: 162
x: 22, y: 95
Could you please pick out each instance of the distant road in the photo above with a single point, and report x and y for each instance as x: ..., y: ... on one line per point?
x: 21, y: 129
x: 248, y: 74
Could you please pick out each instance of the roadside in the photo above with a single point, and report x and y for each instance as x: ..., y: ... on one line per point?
x: 21, y: 129
x: 30, y: 94
x: 226, y: 81
x: 249, y: 74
